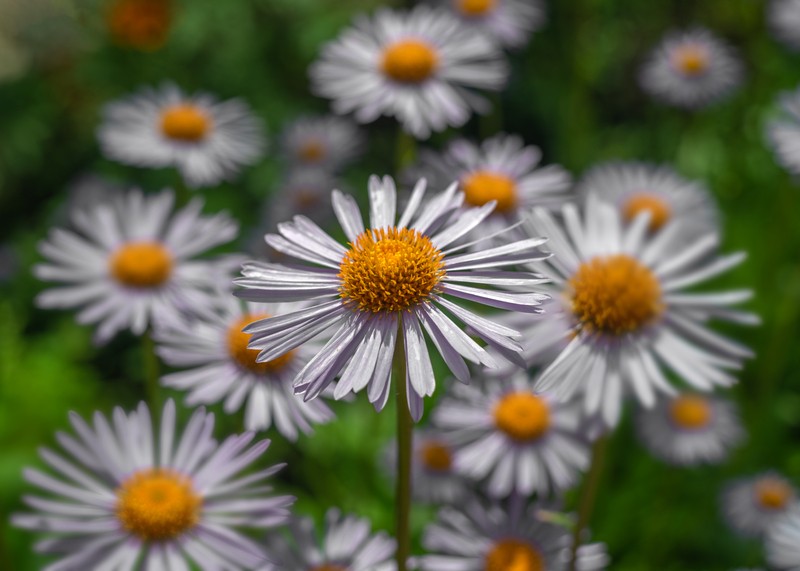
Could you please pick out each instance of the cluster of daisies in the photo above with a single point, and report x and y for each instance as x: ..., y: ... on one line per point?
x: 554, y: 304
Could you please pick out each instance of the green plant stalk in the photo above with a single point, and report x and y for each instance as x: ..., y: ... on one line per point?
x: 588, y: 497
x: 404, y: 443
x: 151, y: 372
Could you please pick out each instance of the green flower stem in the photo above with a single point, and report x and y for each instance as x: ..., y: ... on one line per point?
x: 588, y: 497
x: 404, y: 442
x: 151, y: 372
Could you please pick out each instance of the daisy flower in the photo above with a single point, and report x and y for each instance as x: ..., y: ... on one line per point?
x: 496, y: 537
x: 305, y: 192
x: 509, y: 22
x: 782, y: 541
x: 328, y: 143
x: 208, y: 141
x: 783, y: 133
x: 130, y: 498
x: 635, y: 187
x: 421, y: 67
x: 140, y: 24
x: 621, y: 295
x: 394, y: 280
x: 690, y: 429
x: 783, y: 18
x: 348, y: 544
x: 752, y: 504
x: 501, y: 169
x: 222, y: 368
x: 130, y: 264
x: 691, y: 69
x: 519, y: 440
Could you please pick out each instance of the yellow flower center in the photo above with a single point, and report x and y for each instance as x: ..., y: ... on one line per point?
x: 475, y: 7
x: 691, y: 412
x: 185, y: 122
x: 522, y: 416
x: 614, y: 295
x: 328, y: 567
x: 390, y: 269
x: 409, y: 61
x: 691, y: 60
x: 141, y: 264
x: 141, y: 24
x: 513, y: 555
x: 245, y: 357
x: 483, y: 186
x: 435, y: 456
x: 158, y: 505
x: 773, y: 494
x: 660, y: 211
x: 311, y: 151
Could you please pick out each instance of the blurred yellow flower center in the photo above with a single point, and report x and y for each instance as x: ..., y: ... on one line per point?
x: 409, y: 61
x: 475, y: 7
x: 513, y: 555
x: 614, y: 295
x: 157, y: 505
x: 246, y: 358
x: 774, y: 494
x: 311, y: 151
x: 483, y: 186
x: 141, y: 24
x: 522, y: 416
x: 658, y: 208
x: 435, y: 456
x: 328, y: 567
x: 141, y: 264
x: 691, y: 60
x: 390, y: 269
x: 690, y: 411
x: 185, y: 122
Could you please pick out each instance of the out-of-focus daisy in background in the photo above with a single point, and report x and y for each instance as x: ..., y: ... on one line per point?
x: 782, y: 542
x: 220, y: 368
x: 783, y: 18
x: 138, y: 494
x: 502, y: 169
x: 690, y: 429
x: 502, y: 537
x: 140, y: 24
x: 130, y: 262
x: 346, y: 544
x: 390, y: 284
x: 207, y: 140
x: 326, y: 142
x: 752, y: 504
x: 517, y: 440
x: 510, y: 22
x: 691, y: 69
x: 635, y: 187
x: 422, y: 67
x: 783, y: 133
x: 306, y: 192
x: 621, y: 290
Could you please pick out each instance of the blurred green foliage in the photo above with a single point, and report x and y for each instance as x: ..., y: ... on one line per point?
x: 573, y: 93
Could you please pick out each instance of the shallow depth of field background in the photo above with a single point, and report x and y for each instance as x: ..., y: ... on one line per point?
x: 573, y: 92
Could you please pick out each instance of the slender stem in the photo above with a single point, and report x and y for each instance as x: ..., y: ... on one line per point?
x: 151, y: 372
x: 405, y: 150
x: 588, y: 497
x: 404, y: 443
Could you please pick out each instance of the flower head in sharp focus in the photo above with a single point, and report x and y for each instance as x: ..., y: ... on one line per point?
x: 348, y: 544
x: 130, y: 263
x: 131, y: 494
x: 783, y: 18
x: 393, y: 281
x: 510, y: 22
x: 140, y: 24
x: 690, y: 429
x: 782, y: 541
x: 691, y: 69
x: 635, y: 187
x: 422, y: 67
x: 207, y: 140
x: 502, y: 169
x: 503, y: 537
x: 224, y: 369
x: 783, y: 133
x: 753, y: 504
x: 328, y: 142
x: 622, y: 299
x: 516, y: 439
